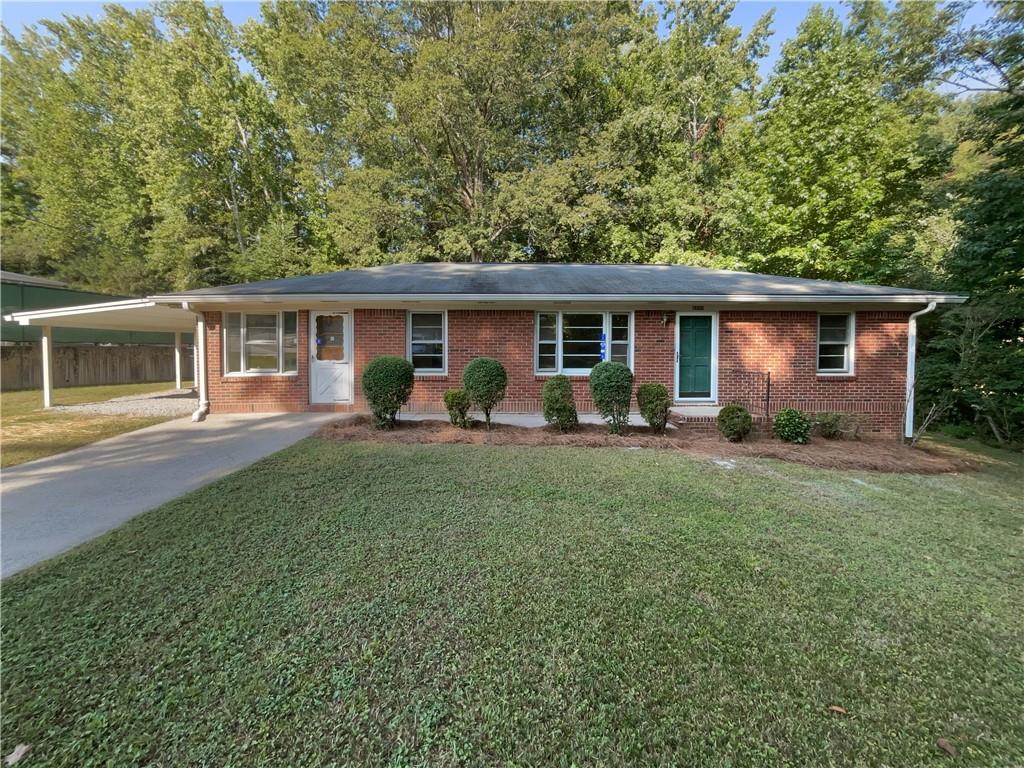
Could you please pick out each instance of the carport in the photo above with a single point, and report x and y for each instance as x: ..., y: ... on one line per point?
x: 125, y: 315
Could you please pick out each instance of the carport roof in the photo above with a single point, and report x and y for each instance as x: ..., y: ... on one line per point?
x: 126, y: 315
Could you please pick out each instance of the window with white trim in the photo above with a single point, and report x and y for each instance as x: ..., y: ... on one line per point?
x: 427, y: 334
x: 575, y: 341
x: 835, y: 343
x: 261, y: 342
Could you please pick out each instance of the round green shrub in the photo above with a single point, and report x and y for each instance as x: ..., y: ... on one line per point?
x: 654, y: 404
x: 611, y: 387
x: 387, y: 384
x: 484, y: 380
x: 735, y: 423
x: 559, y: 403
x: 457, y: 402
x: 792, y: 426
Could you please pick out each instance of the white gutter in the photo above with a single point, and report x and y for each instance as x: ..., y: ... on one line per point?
x: 533, y: 298
x: 24, y: 316
x: 908, y: 422
x: 199, y: 347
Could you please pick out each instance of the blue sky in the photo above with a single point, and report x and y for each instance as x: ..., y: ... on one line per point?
x: 17, y: 14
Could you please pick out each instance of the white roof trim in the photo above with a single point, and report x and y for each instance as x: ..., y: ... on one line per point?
x: 127, y: 314
x: 871, y: 298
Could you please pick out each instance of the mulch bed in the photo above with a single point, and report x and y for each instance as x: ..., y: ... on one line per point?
x: 872, y: 455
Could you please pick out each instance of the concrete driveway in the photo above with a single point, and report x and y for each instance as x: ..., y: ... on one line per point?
x: 53, y: 504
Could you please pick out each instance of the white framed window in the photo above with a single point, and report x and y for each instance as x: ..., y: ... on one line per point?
x: 427, y: 341
x: 836, y: 334
x: 574, y: 341
x: 258, y: 343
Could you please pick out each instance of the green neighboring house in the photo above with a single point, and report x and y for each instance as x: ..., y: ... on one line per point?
x: 24, y: 292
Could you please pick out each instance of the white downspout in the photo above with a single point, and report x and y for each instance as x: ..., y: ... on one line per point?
x: 908, y: 422
x: 199, y: 350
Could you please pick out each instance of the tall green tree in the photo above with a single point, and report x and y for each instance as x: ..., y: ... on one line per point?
x: 839, y: 157
x: 417, y: 114
x: 212, y: 150
x: 973, y: 359
x: 77, y: 206
x: 648, y: 185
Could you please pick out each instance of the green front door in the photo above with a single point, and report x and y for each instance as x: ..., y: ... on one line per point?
x: 694, y: 356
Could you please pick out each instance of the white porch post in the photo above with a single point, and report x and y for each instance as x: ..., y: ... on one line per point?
x: 195, y: 357
x: 177, y: 359
x: 47, y: 352
x: 200, y: 353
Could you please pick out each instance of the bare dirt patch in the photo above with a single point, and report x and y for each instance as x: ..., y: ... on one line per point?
x: 872, y: 455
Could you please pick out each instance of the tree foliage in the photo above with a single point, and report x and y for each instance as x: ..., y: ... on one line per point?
x: 973, y: 361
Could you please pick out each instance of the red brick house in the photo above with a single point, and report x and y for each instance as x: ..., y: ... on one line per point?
x: 711, y: 337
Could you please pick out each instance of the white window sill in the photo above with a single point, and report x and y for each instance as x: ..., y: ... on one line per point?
x: 257, y: 375
x: 570, y: 374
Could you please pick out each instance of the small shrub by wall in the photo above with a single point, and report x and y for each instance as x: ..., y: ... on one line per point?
x: 559, y: 403
x: 457, y: 402
x: 654, y: 403
x: 387, y: 385
x: 611, y: 387
x: 792, y: 426
x: 485, y: 380
x: 735, y: 423
x: 834, y: 425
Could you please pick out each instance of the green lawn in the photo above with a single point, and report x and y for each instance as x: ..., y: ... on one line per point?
x: 28, y: 432
x: 368, y: 604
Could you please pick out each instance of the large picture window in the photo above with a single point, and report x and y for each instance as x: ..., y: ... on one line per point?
x: 261, y: 342
x: 426, y: 348
x: 574, y: 342
x: 835, y: 343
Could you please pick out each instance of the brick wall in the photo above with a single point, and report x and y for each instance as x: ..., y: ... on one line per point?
x: 750, y: 342
x: 784, y: 343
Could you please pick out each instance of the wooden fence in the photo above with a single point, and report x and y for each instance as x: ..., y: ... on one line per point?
x: 84, y: 364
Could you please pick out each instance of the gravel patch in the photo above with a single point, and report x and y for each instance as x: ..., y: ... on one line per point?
x: 171, y: 402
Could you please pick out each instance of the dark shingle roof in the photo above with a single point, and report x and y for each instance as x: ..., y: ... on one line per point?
x: 513, y: 280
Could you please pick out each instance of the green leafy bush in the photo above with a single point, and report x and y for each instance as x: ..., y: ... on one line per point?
x: 457, y: 402
x: 735, y: 423
x: 559, y: 403
x: 959, y: 431
x: 654, y: 404
x: 611, y: 387
x: 387, y: 384
x: 484, y: 380
x: 835, y: 425
x: 792, y: 426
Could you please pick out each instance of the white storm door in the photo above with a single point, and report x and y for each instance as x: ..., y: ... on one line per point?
x: 330, y: 364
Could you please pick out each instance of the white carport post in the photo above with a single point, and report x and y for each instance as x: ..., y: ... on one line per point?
x: 46, y: 349
x: 177, y: 359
